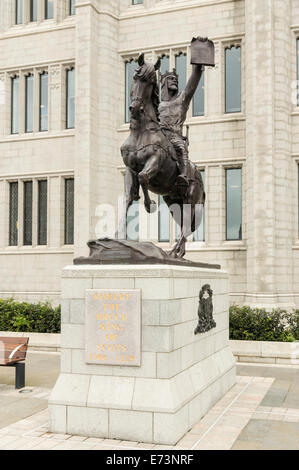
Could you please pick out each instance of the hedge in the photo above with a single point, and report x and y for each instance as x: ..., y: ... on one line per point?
x: 27, y: 317
x: 260, y: 325
x: 245, y: 323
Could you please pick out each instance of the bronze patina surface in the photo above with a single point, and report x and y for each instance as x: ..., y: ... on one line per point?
x: 156, y: 155
x: 110, y: 251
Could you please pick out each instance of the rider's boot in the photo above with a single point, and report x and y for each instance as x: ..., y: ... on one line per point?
x: 182, y: 179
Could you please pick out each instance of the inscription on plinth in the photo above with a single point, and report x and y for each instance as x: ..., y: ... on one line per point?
x: 113, y: 327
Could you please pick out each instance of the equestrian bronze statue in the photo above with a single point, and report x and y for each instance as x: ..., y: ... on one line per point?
x: 156, y: 152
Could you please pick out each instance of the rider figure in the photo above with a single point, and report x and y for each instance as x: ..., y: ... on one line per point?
x: 173, y: 111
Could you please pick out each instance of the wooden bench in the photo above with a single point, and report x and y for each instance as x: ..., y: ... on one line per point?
x: 12, y: 354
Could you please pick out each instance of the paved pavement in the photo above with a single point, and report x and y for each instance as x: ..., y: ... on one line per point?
x: 42, y: 371
x: 275, y: 424
x: 260, y: 412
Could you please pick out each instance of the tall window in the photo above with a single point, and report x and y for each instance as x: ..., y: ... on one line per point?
x: 164, y: 64
x: 181, y: 69
x: 199, y: 234
x: 234, y: 204
x: 15, y: 92
x: 13, y: 214
x: 33, y: 10
x: 133, y: 222
x: 130, y: 70
x: 19, y: 11
x: 70, y: 99
x: 297, y: 71
x: 28, y: 212
x: 42, y: 212
x: 43, y: 102
x: 199, y: 98
x: 163, y: 221
x: 49, y: 9
x: 29, y: 103
x: 72, y: 10
x: 233, y: 79
x: 69, y: 212
x: 164, y: 67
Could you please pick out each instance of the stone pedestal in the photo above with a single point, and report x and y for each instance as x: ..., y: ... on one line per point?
x: 181, y: 376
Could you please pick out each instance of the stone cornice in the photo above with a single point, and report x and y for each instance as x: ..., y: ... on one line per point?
x: 172, y: 8
x: 234, y: 38
x: 17, y: 32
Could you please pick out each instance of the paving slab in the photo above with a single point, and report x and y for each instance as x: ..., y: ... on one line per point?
x: 269, y: 435
x: 42, y: 370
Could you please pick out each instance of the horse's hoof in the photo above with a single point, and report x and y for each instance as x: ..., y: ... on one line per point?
x: 172, y: 254
x: 151, y: 209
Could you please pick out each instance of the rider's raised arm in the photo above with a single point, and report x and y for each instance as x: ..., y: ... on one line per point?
x: 192, y: 84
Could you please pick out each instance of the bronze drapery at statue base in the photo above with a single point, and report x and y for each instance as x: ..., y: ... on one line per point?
x: 109, y: 251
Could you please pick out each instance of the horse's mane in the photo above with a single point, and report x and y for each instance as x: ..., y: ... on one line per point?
x: 147, y: 72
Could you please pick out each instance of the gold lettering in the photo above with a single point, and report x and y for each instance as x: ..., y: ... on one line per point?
x: 98, y: 357
x: 111, y: 337
x: 125, y: 358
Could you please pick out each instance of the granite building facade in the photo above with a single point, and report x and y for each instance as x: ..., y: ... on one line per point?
x: 65, y: 71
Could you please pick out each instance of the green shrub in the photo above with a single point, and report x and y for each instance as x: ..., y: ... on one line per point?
x: 27, y: 317
x: 260, y: 325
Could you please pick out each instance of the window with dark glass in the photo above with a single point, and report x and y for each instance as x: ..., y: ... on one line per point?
x: 233, y: 79
x: 70, y: 99
x: 136, y: 2
x: 15, y: 92
x: 49, y: 9
x: 19, y: 11
x: 69, y: 212
x: 33, y: 10
x: 199, y: 234
x: 130, y: 70
x: 29, y: 103
x: 28, y: 186
x: 72, y: 10
x: 163, y: 221
x: 234, y: 204
x: 42, y: 222
x: 43, y: 102
x: 181, y: 69
x: 13, y: 213
x: 133, y: 222
x: 164, y: 64
x: 163, y: 68
x: 199, y: 98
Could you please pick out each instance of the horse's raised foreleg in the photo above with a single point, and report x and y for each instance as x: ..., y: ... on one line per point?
x: 150, y: 169
x: 131, y: 194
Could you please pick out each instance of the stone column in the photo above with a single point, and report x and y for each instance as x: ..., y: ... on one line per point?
x: 56, y: 76
x: 268, y: 167
x: 97, y: 83
x: 7, y: 15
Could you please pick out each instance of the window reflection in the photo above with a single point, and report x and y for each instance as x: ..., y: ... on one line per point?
x: 233, y: 80
x: 234, y: 204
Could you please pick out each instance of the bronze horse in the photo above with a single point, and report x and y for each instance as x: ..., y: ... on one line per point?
x: 151, y: 161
